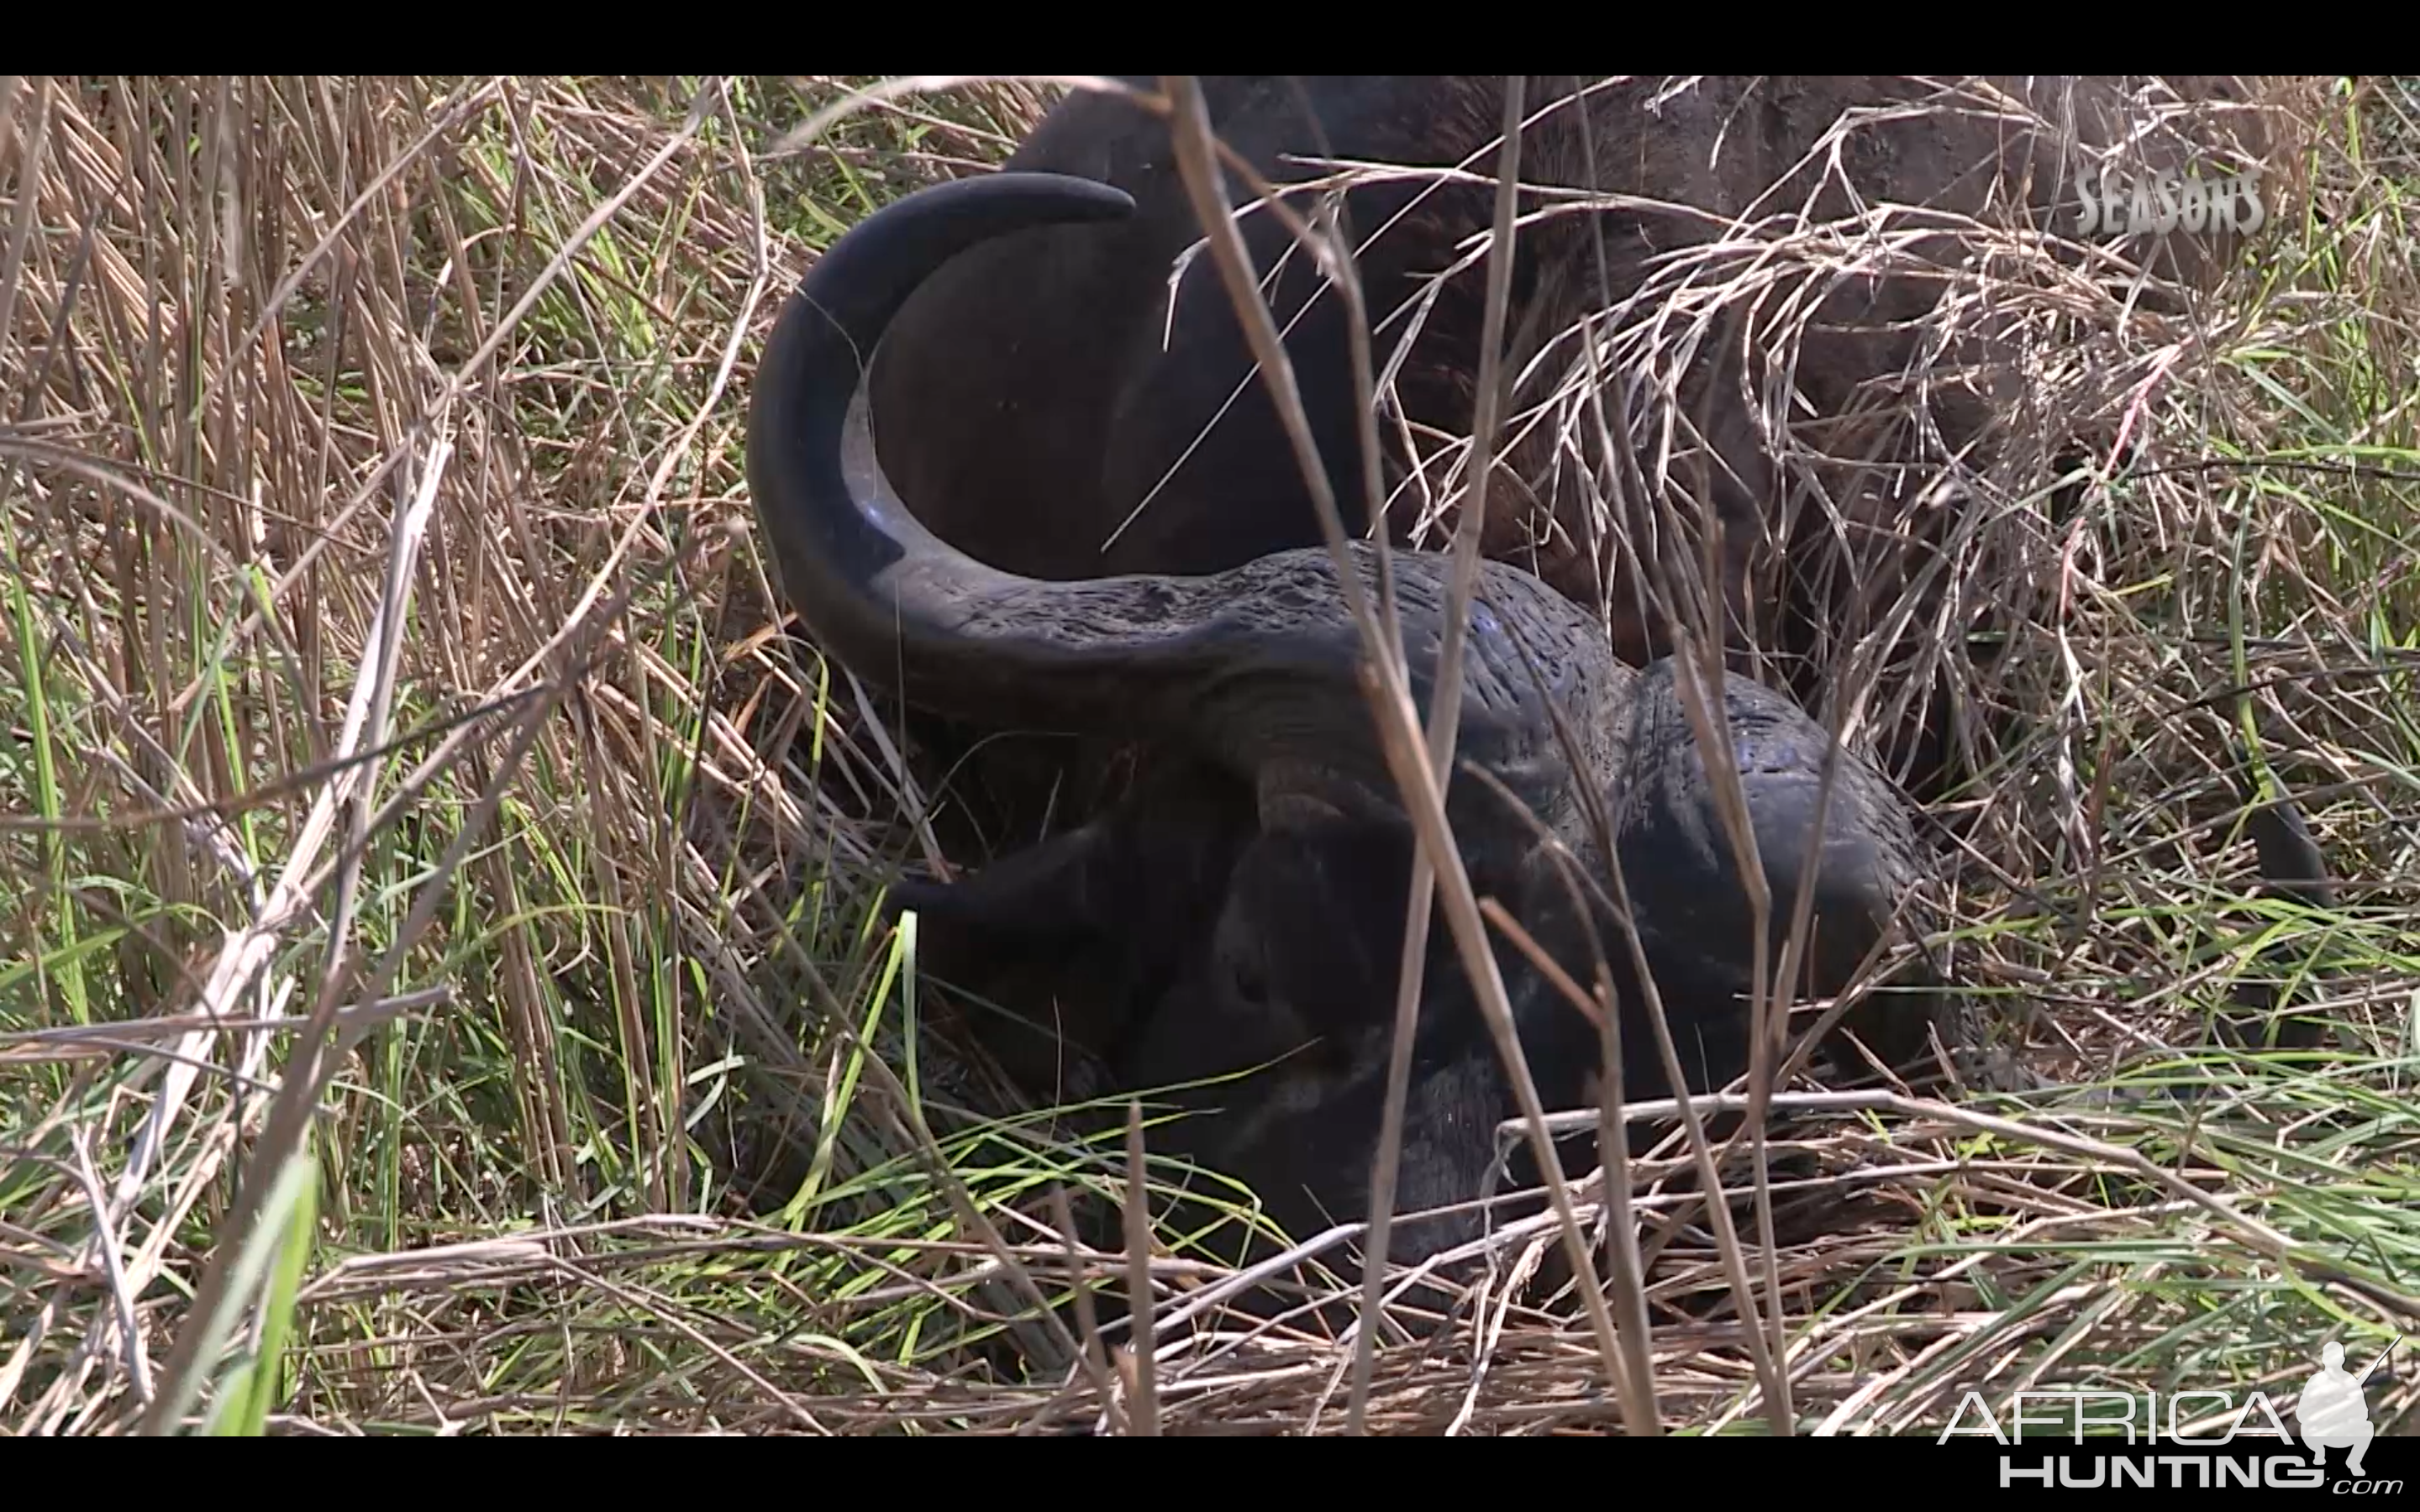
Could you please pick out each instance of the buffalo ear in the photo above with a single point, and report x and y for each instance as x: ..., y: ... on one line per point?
x: 1049, y: 893
x: 1159, y: 854
x: 1032, y: 954
x: 1082, y: 936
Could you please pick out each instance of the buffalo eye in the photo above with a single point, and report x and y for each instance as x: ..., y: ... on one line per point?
x: 1251, y: 981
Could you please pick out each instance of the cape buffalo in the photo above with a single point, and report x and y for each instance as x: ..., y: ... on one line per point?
x: 1085, y: 405
x: 1075, y: 400
x: 1245, y: 906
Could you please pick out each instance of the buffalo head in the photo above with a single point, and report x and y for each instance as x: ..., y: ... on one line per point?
x: 1249, y: 902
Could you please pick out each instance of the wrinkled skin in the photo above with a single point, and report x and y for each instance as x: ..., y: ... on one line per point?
x: 1060, y: 407
x: 1245, y: 905
x: 1095, y: 423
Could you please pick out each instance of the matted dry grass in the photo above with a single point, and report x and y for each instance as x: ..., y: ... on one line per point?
x: 392, y: 683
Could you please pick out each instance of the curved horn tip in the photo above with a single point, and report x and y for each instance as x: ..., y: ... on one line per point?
x: 912, y: 235
x: 865, y: 276
x: 835, y: 536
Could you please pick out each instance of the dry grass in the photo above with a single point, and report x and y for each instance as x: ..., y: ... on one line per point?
x: 392, y: 683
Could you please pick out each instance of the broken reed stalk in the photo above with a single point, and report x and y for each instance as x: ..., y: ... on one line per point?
x: 1144, y: 1402
x: 1383, y: 676
x: 1445, y: 721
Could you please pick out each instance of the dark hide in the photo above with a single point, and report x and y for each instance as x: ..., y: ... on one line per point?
x: 1244, y: 906
x: 1048, y: 367
x: 1075, y: 414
